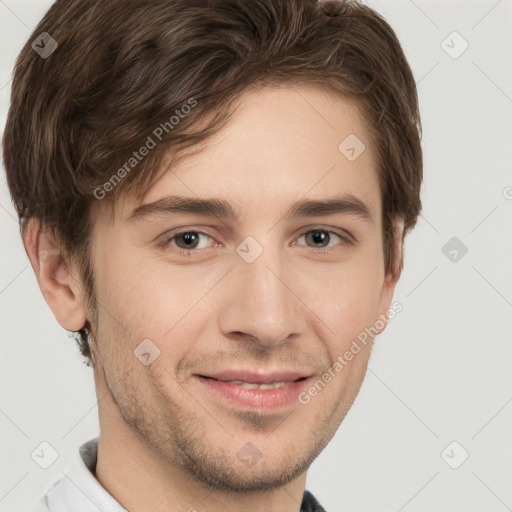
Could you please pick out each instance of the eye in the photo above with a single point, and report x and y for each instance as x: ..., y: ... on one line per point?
x: 187, y: 242
x: 321, y: 239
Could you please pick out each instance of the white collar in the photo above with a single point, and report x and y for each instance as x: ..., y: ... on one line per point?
x: 78, y: 489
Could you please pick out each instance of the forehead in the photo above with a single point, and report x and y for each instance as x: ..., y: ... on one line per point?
x: 281, y: 145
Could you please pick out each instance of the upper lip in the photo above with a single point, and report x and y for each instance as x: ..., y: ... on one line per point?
x: 257, y: 376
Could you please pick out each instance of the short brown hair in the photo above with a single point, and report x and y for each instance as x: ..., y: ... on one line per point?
x: 122, y: 68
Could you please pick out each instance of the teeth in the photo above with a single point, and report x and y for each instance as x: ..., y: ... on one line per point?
x: 250, y: 385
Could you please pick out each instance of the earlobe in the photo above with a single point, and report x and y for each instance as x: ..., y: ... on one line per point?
x: 59, y: 286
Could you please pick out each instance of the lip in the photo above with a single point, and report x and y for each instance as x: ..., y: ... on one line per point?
x: 218, y: 387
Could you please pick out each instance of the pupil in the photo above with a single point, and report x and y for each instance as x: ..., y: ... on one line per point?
x: 188, y: 238
x: 319, y: 236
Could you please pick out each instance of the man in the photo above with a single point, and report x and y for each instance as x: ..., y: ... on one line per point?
x: 214, y: 197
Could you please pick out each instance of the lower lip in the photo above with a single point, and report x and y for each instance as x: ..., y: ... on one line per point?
x: 256, y: 398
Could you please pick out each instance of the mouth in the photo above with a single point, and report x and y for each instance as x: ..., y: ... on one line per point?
x: 254, y: 389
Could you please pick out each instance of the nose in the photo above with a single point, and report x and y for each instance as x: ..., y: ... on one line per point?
x: 260, y: 303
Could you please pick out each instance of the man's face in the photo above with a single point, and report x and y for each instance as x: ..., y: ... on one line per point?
x: 260, y: 298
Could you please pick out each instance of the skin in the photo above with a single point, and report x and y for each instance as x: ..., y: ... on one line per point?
x: 165, y: 443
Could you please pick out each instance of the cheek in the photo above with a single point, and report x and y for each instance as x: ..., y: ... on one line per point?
x: 349, y: 301
x: 152, y: 299
x: 134, y: 297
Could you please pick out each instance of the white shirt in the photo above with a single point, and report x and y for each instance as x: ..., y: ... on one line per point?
x: 78, y: 490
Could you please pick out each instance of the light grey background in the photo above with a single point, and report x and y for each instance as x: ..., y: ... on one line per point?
x: 440, y: 372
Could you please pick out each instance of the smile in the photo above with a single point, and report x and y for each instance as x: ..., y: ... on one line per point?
x: 254, y: 391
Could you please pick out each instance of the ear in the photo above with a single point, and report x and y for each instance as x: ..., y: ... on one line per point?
x: 59, y: 286
x: 392, y: 275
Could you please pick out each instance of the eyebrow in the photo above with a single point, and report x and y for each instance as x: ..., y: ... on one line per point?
x: 215, y: 207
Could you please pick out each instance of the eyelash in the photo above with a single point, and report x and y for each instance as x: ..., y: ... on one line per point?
x: 167, y: 241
